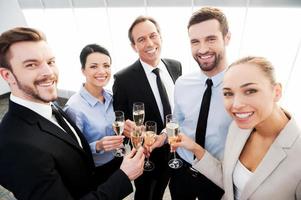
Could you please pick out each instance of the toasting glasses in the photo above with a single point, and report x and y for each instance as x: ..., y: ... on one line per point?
x: 118, y: 126
x: 172, y: 130
x: 149, y: 139
x: 138, y: 113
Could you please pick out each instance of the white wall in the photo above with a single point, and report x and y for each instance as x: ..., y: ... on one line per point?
x: 11, y: 15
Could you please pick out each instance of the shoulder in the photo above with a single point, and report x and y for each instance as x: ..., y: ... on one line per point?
x: 171, y: 61
x: 125, y: 72
x: 188, y: 79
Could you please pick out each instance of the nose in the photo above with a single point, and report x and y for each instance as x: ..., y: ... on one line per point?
x: 203, y: 48
x: 238, y: 102
x: 149, y: 42
x: 46, y: 69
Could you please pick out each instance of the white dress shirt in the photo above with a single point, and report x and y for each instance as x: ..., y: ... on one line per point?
x: 167, y: 81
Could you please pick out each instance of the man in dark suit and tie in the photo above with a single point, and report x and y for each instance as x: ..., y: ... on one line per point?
x: 149, y: 80
x: 39, y: 158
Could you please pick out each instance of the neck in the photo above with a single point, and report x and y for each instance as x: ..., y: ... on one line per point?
x: 272, y: 126
x: 153, y: 64
x: 94, y: 91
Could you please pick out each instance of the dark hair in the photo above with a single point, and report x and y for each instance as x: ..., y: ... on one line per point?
x: 18, y: 34
x: 92, y: 48
x: 261, y: 62
x: 138, y: 20
x: 207, y: 13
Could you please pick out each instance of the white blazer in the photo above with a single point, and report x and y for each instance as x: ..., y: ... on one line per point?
x: 277, y: 177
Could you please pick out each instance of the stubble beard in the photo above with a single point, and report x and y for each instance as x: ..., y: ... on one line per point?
x: 33, y: 93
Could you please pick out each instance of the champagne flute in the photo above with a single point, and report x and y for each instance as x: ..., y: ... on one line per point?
x: 138, y: 113
x: 172, y: 130
x: 137, y: 137
x: 149, y: 139
x: 118, y: 126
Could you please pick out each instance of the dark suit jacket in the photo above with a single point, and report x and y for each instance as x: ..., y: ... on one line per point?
x: 131, y: 85
x: 40, y: 161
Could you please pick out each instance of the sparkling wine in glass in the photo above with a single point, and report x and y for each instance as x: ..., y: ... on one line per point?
x: 149, y: 139
x: 172, y: 130
x: 118, y: 126
x: 138, y: 113
x: 137, y: 137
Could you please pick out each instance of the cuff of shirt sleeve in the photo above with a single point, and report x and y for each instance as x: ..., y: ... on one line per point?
x: 93, y: 148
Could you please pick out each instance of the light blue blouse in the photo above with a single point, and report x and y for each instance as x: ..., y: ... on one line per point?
x: 94, y: 119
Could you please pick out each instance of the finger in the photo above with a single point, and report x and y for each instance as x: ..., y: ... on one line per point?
x: 131, y: 154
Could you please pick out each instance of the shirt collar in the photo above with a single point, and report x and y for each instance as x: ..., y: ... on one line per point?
x: 42, y: 109
x: 216, y: 79
x: 91, y: 100
x: 148, y: 68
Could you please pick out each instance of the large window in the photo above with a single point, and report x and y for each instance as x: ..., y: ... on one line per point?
x: 270, y: 32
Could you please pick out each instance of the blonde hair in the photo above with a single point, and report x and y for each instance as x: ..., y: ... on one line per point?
x: 266, y: 66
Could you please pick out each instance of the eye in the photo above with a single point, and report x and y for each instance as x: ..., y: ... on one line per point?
x: 250, y: 91
x: 107, y: 66
x: 194, y: 42
x: 31, y: 65
x: 51, y: 63
x: 93, y: 66
x: 227, y: 94
x: 140, y: 40
x: 153, y: 36
x: 211, y: 39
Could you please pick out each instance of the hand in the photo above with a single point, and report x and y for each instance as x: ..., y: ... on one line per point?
x: 189, y: 144
x: 109, y: 143
x: 132, y: 164
x: 128, y: 128
x: 159, y: 142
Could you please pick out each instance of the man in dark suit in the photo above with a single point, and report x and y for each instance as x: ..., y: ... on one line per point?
x: 39, y: 157
x: 138, y: 83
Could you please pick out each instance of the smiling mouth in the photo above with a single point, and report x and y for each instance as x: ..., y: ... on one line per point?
x: 101, y: 78
x: 244, y: 115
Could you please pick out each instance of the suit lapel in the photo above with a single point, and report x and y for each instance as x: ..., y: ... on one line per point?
x: 171, y: 70
x: 274, y: 157
x: 234, y: 149
x: 44, y: 124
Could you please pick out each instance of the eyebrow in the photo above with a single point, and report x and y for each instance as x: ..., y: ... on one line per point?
x: 242, y: 86
x: 36, y: 60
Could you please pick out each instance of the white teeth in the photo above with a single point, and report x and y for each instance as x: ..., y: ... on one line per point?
x: 46, y: 84
x: 101, y: 78
x: 243, y: 115
x: 205, y: 57
x: 150, y: 51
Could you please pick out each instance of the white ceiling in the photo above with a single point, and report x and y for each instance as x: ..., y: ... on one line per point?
x: 24, y: 4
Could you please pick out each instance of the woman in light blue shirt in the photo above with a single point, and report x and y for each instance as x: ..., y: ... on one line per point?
x: 92, y: 110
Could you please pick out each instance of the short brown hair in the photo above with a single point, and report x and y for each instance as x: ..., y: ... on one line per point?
x: 18, y: 34
x: 138, y: 20
x: 261, y: 62
x: 207, y: 13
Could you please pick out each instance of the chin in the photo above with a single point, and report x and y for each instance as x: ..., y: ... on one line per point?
x: 244, y: 125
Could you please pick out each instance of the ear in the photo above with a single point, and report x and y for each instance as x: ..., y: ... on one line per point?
x: 134, y: 47
x: 227, y: 38
x: 7, y: 75
x: 277, y: 92
x: 83, y: 71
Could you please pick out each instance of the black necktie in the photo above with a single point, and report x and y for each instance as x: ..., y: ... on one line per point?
x: 200, y: 133
x: 163, y: 94
x: 60, y: 120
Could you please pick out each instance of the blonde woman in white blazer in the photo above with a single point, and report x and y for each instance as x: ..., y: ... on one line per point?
x: 262, y: 158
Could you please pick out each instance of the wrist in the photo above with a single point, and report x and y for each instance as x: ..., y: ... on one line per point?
x: 164, y: 136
